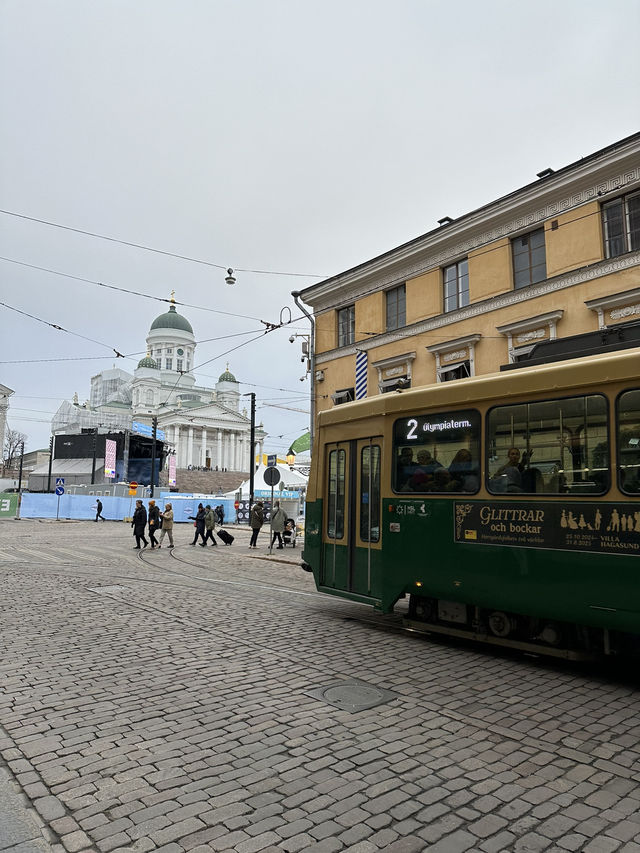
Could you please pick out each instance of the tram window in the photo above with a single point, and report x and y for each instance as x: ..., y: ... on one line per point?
x: 437, y: 453
x: 335, y: 502
x: 628, y: 427
x: 370, y: 494
x: 549, y: 447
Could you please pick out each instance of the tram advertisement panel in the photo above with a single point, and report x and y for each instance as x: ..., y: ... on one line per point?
x: 612, y: 528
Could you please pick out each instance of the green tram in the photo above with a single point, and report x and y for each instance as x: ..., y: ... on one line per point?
x: 507, y: 506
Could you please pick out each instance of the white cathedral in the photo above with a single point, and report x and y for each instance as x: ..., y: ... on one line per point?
x: 203, y: 426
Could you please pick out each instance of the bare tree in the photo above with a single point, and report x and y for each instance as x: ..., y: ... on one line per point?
x: 12, y: 445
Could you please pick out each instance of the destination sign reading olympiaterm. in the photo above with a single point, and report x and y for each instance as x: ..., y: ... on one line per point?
x: 563, y: 526
x: 420, y: 427
x: 146, y: 430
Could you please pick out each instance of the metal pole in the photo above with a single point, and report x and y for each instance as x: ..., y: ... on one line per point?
x: 252, y: 468
x: 271, y: 524
x: 312, y: 364
x: 20, y: 480
x: 154, y: 421
x: 50, y: 463
x: 125, y: 456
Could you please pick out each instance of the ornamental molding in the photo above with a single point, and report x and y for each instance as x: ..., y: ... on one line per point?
x: 533, y: 335
x: 530, y: 323
x: 512, y: 297
x: 468, y: 342
x: 456, y: 354
x: 420, y: 257
x: 403, y: 359
x: 621, y: 313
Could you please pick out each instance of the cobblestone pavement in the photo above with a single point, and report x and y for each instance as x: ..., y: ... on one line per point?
x: 164, y: 704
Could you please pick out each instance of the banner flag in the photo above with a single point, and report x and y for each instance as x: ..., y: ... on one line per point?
x: 109, y: 458
x: 361, y: 374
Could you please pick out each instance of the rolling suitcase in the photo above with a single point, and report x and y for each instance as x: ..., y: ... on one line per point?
x: 225, y: 537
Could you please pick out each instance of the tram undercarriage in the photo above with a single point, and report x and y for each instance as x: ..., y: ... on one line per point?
x: 517, y: 631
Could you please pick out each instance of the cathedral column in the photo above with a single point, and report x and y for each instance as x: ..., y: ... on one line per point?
x: 190, y: 448
x: 203, y: 448
x: 241, y: 439
x: 232, y: 451
x: 219, y: 459
x: 176, y: 444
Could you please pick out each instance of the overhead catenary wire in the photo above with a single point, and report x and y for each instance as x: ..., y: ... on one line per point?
x: 152, y: 249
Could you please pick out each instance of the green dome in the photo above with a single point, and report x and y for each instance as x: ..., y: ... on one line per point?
x: 227, y: 376
x: 172, y: 320
x: 147, y: 361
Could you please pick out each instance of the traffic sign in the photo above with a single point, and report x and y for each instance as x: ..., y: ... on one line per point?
x: 272, y: 461
x: 133, y: 488
x: 59, y: 481
x: 272, y: 476
x: 59, y: 490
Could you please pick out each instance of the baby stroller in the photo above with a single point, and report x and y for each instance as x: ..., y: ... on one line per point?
x: 289, y: 533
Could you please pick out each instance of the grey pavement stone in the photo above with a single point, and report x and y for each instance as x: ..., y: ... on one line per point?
x: 171, y: 703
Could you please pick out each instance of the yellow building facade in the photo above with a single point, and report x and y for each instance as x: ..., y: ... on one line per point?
x: 557, y: 258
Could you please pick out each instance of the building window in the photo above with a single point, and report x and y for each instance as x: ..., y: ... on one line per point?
x: 344, y: 395
x: 179, y: 364
x: 396, y: 308
x: 456, y: 286
x: 169, y: 351
x: 158, y: 353
x: 455, y: 359
x: 168, y: 364
x: 621, y: 225
x: 347, y: 325
x: 456, y: 371
x: 529, y: 258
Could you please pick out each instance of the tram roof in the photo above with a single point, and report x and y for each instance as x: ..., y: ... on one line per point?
x: 571, y: 374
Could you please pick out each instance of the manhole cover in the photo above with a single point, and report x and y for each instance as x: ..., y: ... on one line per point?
x: 352, y: 695
x: 113, y: 588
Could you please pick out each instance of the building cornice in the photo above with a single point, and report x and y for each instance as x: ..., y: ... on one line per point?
x: 512, y: 297
x: 595, y: 179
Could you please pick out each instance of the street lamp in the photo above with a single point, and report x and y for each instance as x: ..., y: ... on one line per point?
x: 230, y: 278
x: 310, y: 364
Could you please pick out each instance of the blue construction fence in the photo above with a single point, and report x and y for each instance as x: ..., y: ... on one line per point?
x: 81, y: 507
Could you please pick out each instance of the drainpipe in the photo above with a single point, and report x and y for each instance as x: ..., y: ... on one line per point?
x: 312, y: 360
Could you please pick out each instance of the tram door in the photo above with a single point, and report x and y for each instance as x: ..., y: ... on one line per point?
x: 352, y: 529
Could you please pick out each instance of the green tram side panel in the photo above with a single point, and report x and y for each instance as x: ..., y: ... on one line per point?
x: 566, y: 577
x: 537, y: 568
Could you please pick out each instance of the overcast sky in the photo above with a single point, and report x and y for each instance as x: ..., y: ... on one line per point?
x: 285, y: 136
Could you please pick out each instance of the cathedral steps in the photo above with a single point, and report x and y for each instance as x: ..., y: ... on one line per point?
x: 205, y: 482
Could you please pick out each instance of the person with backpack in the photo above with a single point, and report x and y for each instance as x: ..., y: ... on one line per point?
x: 209, y: 524
x: 256, y: 520
x: 198, y: 523
x: 139, y: 524
x: 278, y: 521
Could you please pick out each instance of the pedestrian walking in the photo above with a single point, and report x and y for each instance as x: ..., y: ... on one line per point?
x: 99, y: 510
x: 167, y: 525
x: 139, y: 523
x: 256, y: 520
x: 220, y: 511
x: 154, y: 523
x: 198, y: 521
x: 278, y: 521
x: 209, y: 524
